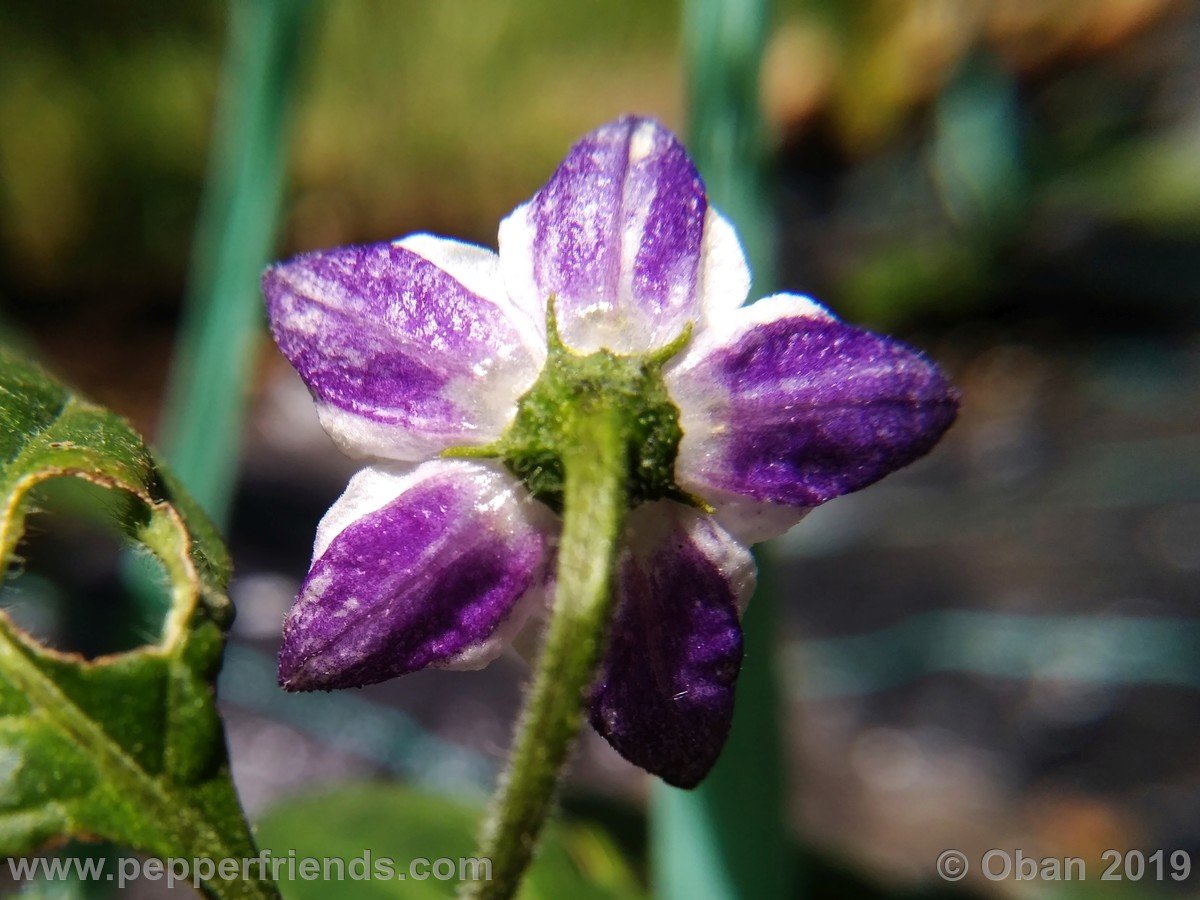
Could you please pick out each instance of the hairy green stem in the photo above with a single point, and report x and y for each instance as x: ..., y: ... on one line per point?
x: 594, y: 502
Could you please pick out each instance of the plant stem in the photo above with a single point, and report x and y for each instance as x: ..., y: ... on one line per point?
x: 593, y: 516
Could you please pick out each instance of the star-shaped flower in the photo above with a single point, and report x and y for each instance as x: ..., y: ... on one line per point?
x: 427, y: 355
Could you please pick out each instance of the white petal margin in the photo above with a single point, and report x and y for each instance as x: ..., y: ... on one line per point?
x: 652, y: 524
x: 724, y: 272
x: 515, y: 240
x: 701, y: 416
x: 725, y: 325
x: 751, y: 521
x: 374, y: 487
x: 479, y: 270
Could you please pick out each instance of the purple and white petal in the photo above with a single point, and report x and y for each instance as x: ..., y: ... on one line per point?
x: 408, y: 348
x: 664, y: 698
x: 622, y: 237
x: 416, y: 566
x: 782, y: 404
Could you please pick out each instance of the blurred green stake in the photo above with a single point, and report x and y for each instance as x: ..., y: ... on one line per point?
x: 239, y: 217
x: 206, y: 396
x: 729, y: 838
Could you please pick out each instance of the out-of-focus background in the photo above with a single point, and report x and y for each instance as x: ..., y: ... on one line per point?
x: 999, y: 647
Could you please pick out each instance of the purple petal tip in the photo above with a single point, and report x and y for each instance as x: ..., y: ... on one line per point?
x: 664, y: 699
x: 812, y: 408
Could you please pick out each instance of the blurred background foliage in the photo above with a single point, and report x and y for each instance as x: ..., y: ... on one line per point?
x: 999, y: 645
x: 933, y: 153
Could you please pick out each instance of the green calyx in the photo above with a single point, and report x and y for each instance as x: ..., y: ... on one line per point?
x: 573, y: 387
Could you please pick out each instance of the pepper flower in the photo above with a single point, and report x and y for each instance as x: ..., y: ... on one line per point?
x: 443, y: 363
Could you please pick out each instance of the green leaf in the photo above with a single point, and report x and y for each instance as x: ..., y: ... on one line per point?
x: 127, y: 747
x: 574, y: 860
